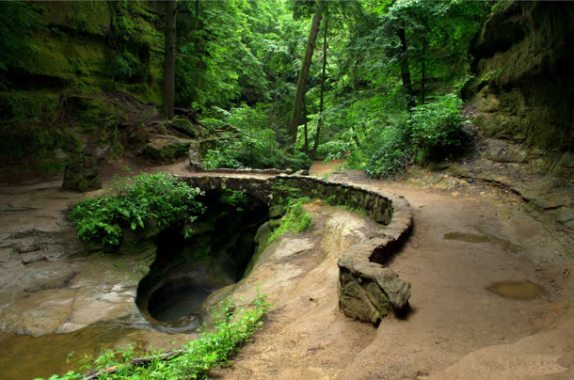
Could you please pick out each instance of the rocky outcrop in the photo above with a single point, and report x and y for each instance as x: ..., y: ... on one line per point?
x: 67, y: 81
x: 166, y: 148
x: 522, y: 103
x: 82, y: 174
x: 524, y: 91
x: 48, y: 284
x: 187, y: 128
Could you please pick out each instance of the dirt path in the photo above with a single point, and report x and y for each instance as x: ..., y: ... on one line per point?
x: 467, y: 239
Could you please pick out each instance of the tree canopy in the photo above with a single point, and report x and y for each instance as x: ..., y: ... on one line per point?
x: 359, y: 72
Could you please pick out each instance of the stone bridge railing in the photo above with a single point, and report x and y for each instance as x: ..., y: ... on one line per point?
x: 367, y: 289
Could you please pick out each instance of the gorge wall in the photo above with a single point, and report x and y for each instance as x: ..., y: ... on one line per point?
x: 521, y: 102
x: 523, y: 91
x: 71, y: 73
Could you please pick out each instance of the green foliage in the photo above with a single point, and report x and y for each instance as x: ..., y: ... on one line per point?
x: 249, y: 144
x: 295, y: 220
x: 234, y: 198
x: 144, y: 203
x: 124, y: 66
x: 244, y: 57
x: 135, y: 41
x: 216, y: 63
x: 435, y: 127
x: 431, y: 132
x: 17, y: 20
x: 232, y: 327
x: 391, y: 156
x: 335, y: 149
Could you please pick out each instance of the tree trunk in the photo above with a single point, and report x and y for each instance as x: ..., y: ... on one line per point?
x: 169, y: 62
x: 405, y: 71
x: 303, y: 75
x: 322, y: 93
x: 196, y: 15
x: 424, y: 70
x: 426, y: 31
x: 305, y: 130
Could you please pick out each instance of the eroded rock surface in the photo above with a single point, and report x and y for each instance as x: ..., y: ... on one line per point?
x: 47, y: 282
x: 521, y: 102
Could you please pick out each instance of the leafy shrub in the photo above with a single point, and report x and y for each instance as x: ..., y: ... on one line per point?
x: 252, y: 145
x: 435, y: 127
x: 431, y: 132
x: 230, y: 330
x: 335, y: 149
x: 124, y: 66
x: 296, y: 161
x: 144, y: 202
x: 392, y: 155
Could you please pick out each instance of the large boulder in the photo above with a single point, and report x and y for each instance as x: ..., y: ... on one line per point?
x: 187, y: 128
x: 82, y: 173
x: 195, y: 156
x: 166, y: 148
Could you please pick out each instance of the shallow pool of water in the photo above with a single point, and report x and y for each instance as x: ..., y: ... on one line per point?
x: 27, y: 357
x: 519, y: 290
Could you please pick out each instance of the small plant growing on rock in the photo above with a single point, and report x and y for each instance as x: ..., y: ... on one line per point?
x: 144, y: 203
x: 296, y: 219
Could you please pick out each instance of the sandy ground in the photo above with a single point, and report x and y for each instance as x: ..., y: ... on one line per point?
x: 305, y: 335
x: 467, y: 237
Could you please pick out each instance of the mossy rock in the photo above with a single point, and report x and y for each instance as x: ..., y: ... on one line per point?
x: 28, y: 105
x: 88, y: 17
x: 166, y: 148
x: 187, y: 128
x: 82, y: 174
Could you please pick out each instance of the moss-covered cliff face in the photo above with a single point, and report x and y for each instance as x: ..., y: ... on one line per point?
x: 71, y: 72
x: 524, y: 86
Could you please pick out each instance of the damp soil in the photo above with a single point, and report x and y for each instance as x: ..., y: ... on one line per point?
x: 479, y: 238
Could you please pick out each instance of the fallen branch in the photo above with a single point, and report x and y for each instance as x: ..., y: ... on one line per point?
x: 134, y: 362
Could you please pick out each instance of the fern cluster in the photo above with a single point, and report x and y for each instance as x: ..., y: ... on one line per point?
x: 145, y: 202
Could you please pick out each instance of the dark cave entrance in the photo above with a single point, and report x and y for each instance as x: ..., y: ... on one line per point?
x: 187, y: 270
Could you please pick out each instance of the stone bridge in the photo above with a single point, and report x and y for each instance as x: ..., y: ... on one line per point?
x: 367, y: 289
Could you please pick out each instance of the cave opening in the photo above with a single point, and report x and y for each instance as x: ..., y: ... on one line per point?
x: 188, y: 269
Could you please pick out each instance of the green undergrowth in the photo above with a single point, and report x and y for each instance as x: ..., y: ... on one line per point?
x: 144, y: 203
x: 232, y: 327
x: 431, y: 133
x: 295, y: 220
x: 249, y: 142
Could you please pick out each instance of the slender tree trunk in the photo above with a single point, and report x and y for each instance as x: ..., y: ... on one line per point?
x: 169, y: 62
x: 196, y: 15
x: 424, y: 60
x: 305, y: 130
x: 405, y: 71
x: 322, y: 92
x: 303, y: 75
x: 424, y: 70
